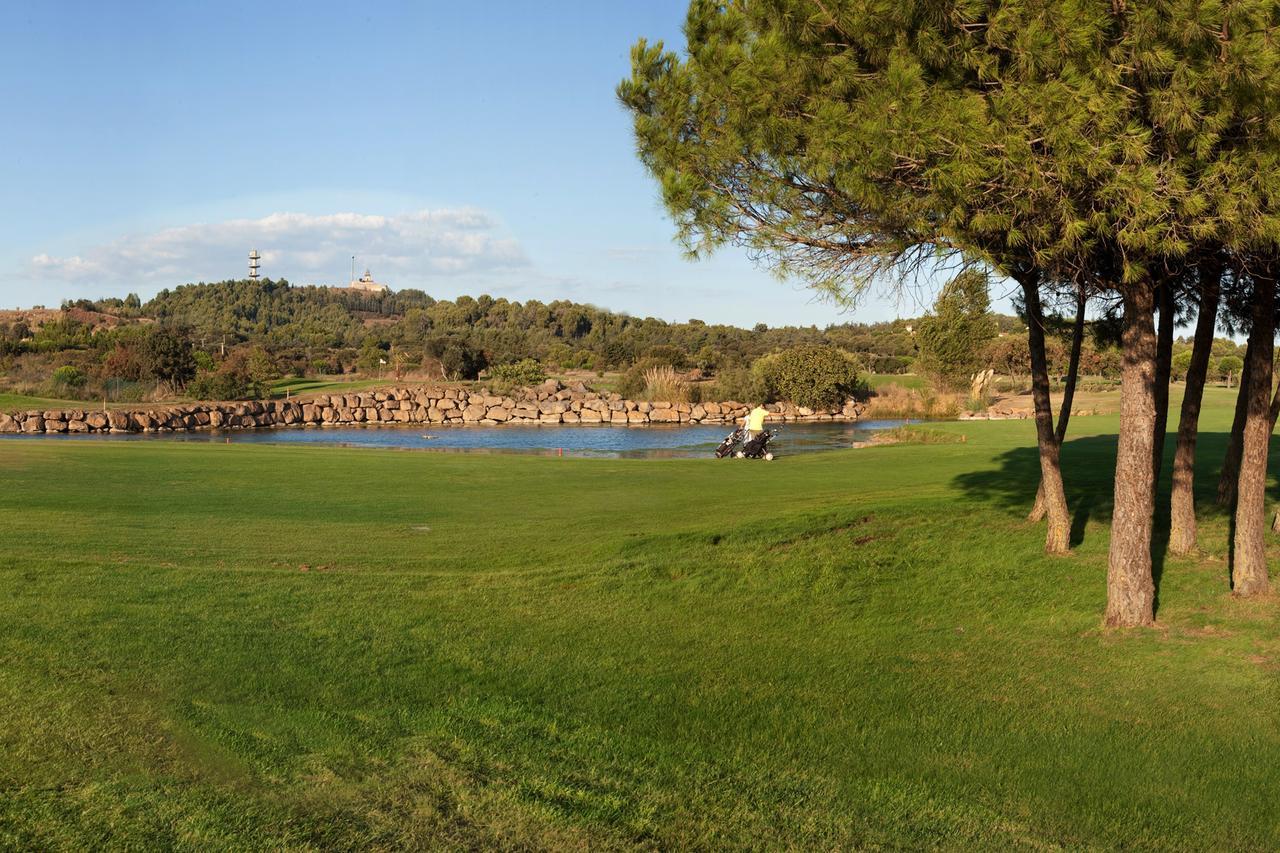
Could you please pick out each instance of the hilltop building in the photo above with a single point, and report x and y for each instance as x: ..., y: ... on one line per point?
x: 367, y: 284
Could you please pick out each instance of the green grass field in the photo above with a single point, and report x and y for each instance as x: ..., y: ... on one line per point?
x: 22, y: 402
x: 242, y: 646
x: 329, y: 385
x: 910, y: 381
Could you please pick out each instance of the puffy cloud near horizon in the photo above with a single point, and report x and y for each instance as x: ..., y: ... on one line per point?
x: 404, y: 250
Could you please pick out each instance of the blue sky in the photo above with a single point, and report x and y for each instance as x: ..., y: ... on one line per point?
x: 459, y: 148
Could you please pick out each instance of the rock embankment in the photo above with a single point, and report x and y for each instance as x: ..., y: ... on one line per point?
x: 549, y: 403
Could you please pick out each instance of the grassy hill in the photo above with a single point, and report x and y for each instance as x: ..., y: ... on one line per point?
x: 215, y: 646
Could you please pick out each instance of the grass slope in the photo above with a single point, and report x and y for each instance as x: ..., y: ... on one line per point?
x: 231, y: 646
x: 23, y: 402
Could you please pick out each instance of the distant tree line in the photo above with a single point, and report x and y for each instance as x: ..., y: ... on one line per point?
x: 322, y: 330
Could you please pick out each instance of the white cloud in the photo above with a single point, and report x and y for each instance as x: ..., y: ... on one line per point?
x: 404, y: 250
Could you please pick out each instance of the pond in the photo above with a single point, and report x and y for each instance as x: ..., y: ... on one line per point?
x: 651, y: 441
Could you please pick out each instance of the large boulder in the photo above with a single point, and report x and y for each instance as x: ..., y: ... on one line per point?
x: 667, y: 415
x: 474, y: 413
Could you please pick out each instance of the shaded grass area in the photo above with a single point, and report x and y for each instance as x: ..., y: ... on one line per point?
x: 211, y: 646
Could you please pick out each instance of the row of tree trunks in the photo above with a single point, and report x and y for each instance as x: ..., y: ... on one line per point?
x: 1058, y: 538
x: 1040, y: 507
x: 1182, y: 503
x: 1249, y: 559
x: 1130, y: 587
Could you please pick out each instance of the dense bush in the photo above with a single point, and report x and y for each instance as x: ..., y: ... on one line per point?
x: 69, y: 376
x: 1228, y: 367
x: 166, y: 353
x: 246, y: 374
x: 816, y: 377
x: 518, y: 373
x: 738, y: 384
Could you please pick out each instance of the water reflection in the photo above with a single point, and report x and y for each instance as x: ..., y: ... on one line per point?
x: 615, y: 442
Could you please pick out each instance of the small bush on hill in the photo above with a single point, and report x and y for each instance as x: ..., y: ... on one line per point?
x: 69, y: 376
x: 817, y: 377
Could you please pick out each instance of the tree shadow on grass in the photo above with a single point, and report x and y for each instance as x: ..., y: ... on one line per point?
x: 1088, y: 473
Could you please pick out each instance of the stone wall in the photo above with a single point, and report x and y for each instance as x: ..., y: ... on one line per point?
x: 549, y: 403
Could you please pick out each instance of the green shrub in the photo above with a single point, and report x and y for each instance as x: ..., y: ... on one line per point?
x: 69, y: 376
x: 246, y: 374
x: 517, y: 373
x: 738, y: 384
x: 666, y: 354
x: 219, y: 385
x: 816, y: 377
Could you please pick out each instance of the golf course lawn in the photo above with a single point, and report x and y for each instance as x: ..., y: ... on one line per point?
x: 210, y: 646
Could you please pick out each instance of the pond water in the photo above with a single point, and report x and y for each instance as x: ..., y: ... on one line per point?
x: 650, y: 441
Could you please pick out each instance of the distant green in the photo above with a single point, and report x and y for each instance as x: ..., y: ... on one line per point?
x: 18, y: 402
x: 211, y: 646
x: 910, y: 381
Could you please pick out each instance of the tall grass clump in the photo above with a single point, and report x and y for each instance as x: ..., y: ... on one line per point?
x: 894, y: 401
x: 664, y: 383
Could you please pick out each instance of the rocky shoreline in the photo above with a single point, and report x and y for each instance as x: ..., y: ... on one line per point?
x: 548, y: 403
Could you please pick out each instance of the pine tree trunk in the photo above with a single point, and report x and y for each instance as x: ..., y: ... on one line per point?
x: 1249, y: 561
x: 1130, y: 587
x: 1058, y: 539
x: 1227, y: 481
x: 1182, y: 501
x: 1164, y: 370
x: 1040, y: 508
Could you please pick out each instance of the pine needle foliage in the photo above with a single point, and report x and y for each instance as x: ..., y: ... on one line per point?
x: 841, y: 140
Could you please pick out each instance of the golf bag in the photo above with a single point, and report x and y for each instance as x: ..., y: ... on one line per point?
x: 758, y: 447
x: 730, y: 443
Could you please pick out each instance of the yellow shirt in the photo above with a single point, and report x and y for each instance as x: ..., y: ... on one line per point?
x: 755, y: 420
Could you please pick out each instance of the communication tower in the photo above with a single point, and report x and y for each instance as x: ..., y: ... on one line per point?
x: 254, y: 263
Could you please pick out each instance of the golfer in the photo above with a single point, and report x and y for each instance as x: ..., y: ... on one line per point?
x: 754, y: 421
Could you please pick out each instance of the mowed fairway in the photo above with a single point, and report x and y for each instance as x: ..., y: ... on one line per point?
x: 232, y: 646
